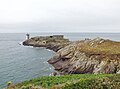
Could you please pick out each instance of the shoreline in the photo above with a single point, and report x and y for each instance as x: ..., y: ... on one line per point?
x: 66, y: 52
x: 92, y: 56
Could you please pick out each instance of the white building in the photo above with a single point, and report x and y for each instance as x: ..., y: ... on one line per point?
x: 27, y: 36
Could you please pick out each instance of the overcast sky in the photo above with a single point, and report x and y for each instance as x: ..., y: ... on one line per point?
x: 59, y: 16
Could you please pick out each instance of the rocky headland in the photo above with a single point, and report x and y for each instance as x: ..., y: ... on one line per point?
x: 55, y: 42
x: 94, y: 56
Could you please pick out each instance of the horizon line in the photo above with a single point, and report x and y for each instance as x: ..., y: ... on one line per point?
x: 59, y: 32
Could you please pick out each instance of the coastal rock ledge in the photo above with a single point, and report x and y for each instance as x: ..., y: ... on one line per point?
x: 86, y: 56
x: 55, y: 42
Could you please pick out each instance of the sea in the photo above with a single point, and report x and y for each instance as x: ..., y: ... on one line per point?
x: 20, y: 63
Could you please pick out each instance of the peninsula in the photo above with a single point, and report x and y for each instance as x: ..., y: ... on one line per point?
x: 89, y: 56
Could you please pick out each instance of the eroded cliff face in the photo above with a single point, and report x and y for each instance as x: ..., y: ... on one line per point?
x: 88, y: 56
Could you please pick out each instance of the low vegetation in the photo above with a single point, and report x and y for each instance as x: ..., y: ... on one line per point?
x: 78, y: 81
x: 101, y: 46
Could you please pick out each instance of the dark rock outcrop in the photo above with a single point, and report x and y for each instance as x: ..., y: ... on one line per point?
x: 54, y: 42
x: 86, y: 56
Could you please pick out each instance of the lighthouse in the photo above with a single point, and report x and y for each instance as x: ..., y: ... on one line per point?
x: 27, y: 36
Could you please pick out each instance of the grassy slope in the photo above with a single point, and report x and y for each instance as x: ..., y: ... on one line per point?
x: 81, y: 81
x: 105, y: 47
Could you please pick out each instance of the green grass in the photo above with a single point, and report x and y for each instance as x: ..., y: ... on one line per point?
x: 78, y: 81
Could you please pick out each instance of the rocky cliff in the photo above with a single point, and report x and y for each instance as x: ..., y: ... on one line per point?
x: 86, y: 56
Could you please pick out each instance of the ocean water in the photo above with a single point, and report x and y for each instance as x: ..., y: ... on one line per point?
x: 19, y: 63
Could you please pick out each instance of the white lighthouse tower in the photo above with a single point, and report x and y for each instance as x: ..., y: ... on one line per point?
x: 27, y: 36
